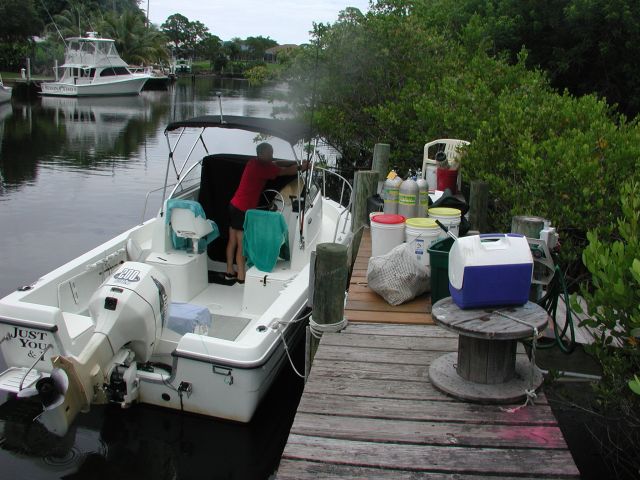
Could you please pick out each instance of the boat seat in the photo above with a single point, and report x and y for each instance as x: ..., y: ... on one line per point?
x: 188, y: 222
x: 266, y: 238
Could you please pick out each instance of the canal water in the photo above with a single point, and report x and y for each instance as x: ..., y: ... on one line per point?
x: 73, y: 174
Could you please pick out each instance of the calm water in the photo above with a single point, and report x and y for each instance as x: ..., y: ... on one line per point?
x: 73, y: 174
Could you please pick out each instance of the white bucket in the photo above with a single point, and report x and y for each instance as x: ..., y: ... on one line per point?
x: 387, y: 231
x: 449, y: 217
x: 420, y: 234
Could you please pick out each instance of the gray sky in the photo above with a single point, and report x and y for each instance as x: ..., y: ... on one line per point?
x: 285, y: 21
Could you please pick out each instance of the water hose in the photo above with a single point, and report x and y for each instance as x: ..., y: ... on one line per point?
x: 549, y: 302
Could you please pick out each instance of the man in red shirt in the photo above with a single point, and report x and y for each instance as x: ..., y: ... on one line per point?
x: 255, y: 175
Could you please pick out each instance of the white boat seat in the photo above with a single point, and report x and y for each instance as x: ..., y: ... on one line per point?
x: 188, y: 222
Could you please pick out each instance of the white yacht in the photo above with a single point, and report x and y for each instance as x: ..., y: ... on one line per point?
x: 5, y: 92
x: 149, y: 316
x: 93, y: 67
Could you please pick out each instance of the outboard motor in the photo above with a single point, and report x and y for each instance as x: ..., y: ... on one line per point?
x: 129, y: 309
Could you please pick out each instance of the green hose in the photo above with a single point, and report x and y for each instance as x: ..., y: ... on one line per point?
x: 549, y: 302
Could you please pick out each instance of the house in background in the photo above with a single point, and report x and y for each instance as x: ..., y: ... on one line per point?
x: 271, y: 54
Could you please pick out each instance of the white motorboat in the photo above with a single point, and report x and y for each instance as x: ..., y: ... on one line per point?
x: 148, y: 316
x: 5, y: 92
x: 92, y: 67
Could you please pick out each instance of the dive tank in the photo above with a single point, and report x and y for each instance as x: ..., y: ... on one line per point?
x: 408, y: 198
x: 390, y: 190
x: 423, y: 194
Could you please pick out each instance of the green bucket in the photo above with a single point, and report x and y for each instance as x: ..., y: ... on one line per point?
x: 439, y: 259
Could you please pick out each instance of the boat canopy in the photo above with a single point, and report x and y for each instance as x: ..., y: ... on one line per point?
x: 290, y: 130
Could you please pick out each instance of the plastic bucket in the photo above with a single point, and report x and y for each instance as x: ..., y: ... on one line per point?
x: 449, y: 217
x: 387, y: 231
x: 447, y: 178
x: 439, y: 258
x: 420, y: 233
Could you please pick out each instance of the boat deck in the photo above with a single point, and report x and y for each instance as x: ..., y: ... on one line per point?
x: 364, y: 305
x: 369, y: 411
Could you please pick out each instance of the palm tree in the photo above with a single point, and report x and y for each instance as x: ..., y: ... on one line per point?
x: 136, y: 43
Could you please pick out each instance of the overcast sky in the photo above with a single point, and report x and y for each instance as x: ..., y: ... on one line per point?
x: 285, y: 21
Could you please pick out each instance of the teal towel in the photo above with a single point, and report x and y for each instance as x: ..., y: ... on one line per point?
x: 180, y: 243
x: 266, y: 237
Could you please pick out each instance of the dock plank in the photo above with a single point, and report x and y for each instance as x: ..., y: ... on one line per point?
x: 428, y: 433
x: 434, y: 458
x: 306, y: 470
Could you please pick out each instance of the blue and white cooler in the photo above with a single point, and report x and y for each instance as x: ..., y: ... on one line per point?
x: 490, y: 270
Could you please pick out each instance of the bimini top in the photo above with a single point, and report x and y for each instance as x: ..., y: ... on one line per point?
x: 289, y: 130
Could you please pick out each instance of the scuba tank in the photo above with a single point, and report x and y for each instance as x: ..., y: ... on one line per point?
x: 408, y: 198
x: 390, y: 192
x: 423, y: 196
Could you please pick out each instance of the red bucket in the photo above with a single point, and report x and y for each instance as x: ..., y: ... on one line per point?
x: 447, y: 178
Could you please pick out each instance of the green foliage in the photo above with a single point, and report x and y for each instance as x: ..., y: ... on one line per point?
x: 136, y: 43
x: 614, y: 296
x: 257, y: 75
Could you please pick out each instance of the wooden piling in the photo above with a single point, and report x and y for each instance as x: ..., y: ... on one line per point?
x: 380, y: 164
x: 478, y: 205
x: 364, y: 186
x: 331, y: 272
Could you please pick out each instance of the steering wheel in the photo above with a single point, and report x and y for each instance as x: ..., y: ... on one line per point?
x: 277, y: 203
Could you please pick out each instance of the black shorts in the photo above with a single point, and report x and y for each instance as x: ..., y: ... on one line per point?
x: 236, y: 218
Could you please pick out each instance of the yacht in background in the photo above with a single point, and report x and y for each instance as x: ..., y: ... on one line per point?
x: 92, y: 67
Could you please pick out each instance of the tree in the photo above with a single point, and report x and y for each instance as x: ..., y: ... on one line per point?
x: 137, y: 43
x: 186, y: 37
x: 256, y: 46
x: 17, y: 21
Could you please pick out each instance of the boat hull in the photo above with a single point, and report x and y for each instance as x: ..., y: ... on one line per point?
x: 5, y: 94
x: 128, y: 86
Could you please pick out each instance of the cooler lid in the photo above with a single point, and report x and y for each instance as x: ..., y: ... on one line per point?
x: 445, y: 212
x: 388, y: 218
x: 421, y: 223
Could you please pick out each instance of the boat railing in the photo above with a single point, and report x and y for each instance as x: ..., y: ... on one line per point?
x: 146, y: 199
x: 330, y: 180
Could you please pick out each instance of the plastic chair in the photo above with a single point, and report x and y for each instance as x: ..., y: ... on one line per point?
x: 449, y: 146
x: 188, y: 222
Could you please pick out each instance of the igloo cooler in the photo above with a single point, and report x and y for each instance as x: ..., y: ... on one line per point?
x: 490, y: 270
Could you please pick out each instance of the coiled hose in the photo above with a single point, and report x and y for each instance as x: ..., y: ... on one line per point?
x: 549, y: 302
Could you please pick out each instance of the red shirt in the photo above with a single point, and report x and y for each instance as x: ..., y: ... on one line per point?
x: 254, y: 177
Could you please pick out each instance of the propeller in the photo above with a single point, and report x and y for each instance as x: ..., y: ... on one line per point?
x: 50, y: 389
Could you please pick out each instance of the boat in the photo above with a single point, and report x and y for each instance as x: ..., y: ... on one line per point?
x: 92, y: 67
x: 149, y: 317
x: 158, y: 78
x: 5, y: 92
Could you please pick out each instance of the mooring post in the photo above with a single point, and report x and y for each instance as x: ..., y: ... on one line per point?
x: 364, y: 186
x: 331, y: 270
x: 380, y: 163
x: 478, y: 205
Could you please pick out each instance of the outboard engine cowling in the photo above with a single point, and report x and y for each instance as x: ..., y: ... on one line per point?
x: 131, y: 307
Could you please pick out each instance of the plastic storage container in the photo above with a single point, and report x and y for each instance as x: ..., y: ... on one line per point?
x: 490, y: 270
x: 420, y: 234
x: 439, y: 260
x: 387, y: 231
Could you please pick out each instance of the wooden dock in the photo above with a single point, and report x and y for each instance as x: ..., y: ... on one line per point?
x: 368, y: 411
x: 364, y: 305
